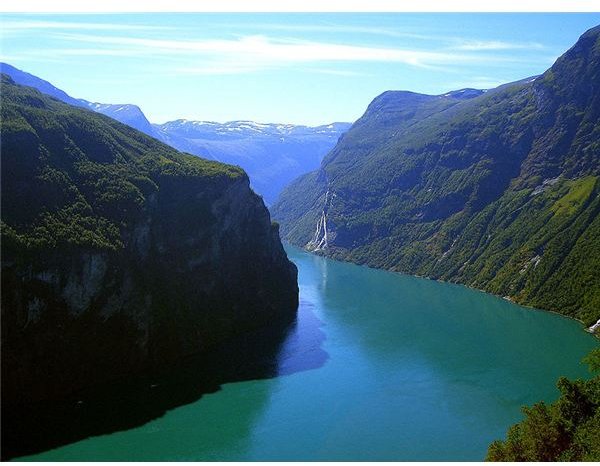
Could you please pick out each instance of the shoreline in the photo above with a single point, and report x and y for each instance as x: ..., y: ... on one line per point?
x: 586, y: 329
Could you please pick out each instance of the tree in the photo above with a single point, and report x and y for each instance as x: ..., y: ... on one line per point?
x: 567, y: 430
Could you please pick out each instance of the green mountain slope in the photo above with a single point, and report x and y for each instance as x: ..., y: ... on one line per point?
x: 120, y: 253
x: 499, y: 191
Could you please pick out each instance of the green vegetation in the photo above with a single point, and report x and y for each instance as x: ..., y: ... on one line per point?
x: 121, y: 255
x: 498, y: 191
x: 577, y: 195
x: 566, y: 430
x: 92, y: 177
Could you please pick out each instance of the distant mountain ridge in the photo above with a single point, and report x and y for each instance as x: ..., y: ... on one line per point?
x: 498, y: 190
x: 272, y: 154
x: 128, y: 114
x: 244, y: 128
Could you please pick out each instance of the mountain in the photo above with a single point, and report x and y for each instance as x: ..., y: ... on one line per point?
x: 272, y: 154
x: 497, y: 190
x: 26, y: 79
x: 120, y: 254
x: 126, y: 113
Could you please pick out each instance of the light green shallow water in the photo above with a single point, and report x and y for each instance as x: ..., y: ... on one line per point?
x: 381, y: 366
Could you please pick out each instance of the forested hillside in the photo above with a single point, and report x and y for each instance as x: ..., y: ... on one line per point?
x: 121, y: 254
x: 496, y: 190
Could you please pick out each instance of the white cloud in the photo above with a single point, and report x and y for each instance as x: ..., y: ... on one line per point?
x: 334, y: 72
x: 252, y: 53
x: 478, y: 82
x: 336, y: 28
x: 257, y: 52
x: 475, y: 45
x: 22, y: 25
x: 221, y: 68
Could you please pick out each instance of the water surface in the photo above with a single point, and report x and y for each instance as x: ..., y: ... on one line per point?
x: 379, y: 366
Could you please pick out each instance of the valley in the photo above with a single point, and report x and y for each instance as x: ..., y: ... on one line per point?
x: 422, y: 284
x: 496, y: 190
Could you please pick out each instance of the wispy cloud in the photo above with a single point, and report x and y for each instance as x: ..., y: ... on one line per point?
x: 222, y: 68
x: 336, y: 29
x: 451, y: 41
x: 29, y: 26
x: 335, y: 72
x: 478, y: 82
x: 476, y: 45
x: 257, y: 52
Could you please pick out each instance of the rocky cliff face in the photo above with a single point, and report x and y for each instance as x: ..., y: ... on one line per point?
x: 120, y: 254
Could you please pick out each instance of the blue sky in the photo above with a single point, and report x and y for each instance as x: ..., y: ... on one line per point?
x: 284, y: 68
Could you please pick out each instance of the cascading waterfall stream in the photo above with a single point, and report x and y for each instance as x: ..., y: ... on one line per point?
x: 319, y: 240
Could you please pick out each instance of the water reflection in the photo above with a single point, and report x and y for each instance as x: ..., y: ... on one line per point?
x: 280, y: 350
x: 303, y: 347
x: 436, y: 353
x: 377, y: 367
x: 395, y: 316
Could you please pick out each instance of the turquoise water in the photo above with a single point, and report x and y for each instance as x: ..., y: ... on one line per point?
x: 380, y: 366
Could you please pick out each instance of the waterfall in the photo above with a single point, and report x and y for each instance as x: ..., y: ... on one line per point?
x: 319, y: 239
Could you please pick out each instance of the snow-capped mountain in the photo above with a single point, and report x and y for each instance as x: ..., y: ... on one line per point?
x: 272, y: 154
x: 128, y: 114
x: 244, y: 128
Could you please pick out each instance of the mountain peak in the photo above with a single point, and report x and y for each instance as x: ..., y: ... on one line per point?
x: 128, y: 114
x: 576, y: 74
x: 391, y: 101
x: 26, y: 79
x: 248, y: 127
x: 588, y: 44
x: 592, y: 32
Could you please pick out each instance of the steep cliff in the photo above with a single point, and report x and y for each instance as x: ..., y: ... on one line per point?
x: 120, y: 254
x: 498, y: 190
